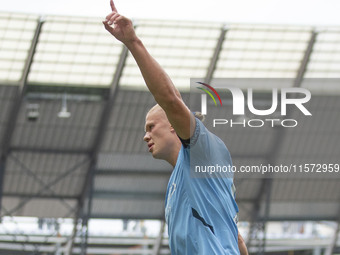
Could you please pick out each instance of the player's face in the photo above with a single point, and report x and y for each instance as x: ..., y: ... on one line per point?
x: 158, y: 134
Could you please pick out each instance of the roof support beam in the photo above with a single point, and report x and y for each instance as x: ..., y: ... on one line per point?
x: 71, y: 240
x: 14, y: 112
x: 2, y: 176
x: 21, y: 92
x: 305, y: 60
x: 86, y: 215
x: 104, y: 120
x: 302, y: 218
x: 216, y: 55
x: 158, y: 242
x: 48, y: 150
x: 130, y: 216
x: 84, y: 238
x: 40, y: 196
x: 332, y: 245
x: 29, y: 172
x: 266, y: 186
x: 129, y: 195
x: 256, y: 224
x: 133, y: 172
x: 47, y: 186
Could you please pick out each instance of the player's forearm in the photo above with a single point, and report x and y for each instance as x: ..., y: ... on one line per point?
x: 156, y: 79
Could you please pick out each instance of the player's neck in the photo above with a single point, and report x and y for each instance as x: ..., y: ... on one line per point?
x: 174, y: 155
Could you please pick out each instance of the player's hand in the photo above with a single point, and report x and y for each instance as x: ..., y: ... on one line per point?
x: 119, y: 26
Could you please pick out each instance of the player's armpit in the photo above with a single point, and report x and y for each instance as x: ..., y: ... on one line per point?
x: 181, y: 119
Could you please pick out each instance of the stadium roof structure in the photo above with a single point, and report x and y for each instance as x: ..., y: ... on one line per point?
x: 94, y: 164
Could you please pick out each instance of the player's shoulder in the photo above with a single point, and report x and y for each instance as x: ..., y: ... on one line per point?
x: 202, y: 132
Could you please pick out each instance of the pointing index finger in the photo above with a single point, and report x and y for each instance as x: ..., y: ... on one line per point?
x: 113, y: 7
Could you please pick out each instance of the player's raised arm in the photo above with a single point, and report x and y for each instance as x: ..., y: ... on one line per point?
x: 158, y: 82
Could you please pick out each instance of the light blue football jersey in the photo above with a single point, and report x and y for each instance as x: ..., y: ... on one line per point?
x: 201, y: 213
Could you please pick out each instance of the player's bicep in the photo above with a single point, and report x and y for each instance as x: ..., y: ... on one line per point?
x: 181, y: 119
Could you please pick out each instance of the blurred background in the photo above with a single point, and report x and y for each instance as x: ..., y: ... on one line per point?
x: 75, y: 174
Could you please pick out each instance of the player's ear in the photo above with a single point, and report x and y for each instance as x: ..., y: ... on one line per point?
x: 172, y: 130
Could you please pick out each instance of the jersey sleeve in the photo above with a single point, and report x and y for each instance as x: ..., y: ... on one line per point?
x: 208, y: 150
x: 211, y: 195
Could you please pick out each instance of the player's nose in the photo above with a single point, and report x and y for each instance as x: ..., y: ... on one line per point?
x: 146, y: 137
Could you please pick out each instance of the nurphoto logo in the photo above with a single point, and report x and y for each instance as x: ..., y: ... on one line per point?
x: 280, y: 99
